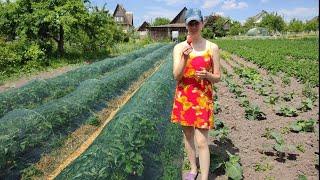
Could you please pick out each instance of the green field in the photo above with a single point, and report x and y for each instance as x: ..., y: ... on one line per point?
x: 295, y: 57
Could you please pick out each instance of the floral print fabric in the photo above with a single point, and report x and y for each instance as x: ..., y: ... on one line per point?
x: 193, y: 101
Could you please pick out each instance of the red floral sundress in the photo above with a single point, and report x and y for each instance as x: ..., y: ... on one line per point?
x: 193, y: 100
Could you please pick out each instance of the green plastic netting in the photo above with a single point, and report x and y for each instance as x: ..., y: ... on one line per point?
x: 140, y: 142
x: 40, y: 91
x: 60, y: 113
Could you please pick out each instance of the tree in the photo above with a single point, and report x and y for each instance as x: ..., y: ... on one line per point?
x: 273, y: 22
x: 250, y: 23
x: 236, y: 28
x: 207, y: 33
x: 295, y: 25
x: 312, y: 25
x: 8, y: 20
x: 216, y: 24
x: 160, y: 21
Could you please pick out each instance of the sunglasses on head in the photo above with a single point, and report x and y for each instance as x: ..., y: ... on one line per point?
x: 193, y: 23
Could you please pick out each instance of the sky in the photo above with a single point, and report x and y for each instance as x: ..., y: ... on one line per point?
x: 239, y: 10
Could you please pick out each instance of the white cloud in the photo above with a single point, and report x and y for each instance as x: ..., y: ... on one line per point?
x: 232, y: 4
x: 210, y: 3
x: 299, y: 13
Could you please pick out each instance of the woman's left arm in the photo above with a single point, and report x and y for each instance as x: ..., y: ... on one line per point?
x: 216, y: 75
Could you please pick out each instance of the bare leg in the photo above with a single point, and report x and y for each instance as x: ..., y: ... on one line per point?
x: 204, y: 154
x: 188, y: 139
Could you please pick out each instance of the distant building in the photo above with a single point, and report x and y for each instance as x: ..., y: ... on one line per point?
x: 176, y: 28
x: 123, y: 18
x: 258, y: 18
x: 143, y: 29
x: 172, y: 30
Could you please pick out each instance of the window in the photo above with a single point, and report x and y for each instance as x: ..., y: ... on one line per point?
x: 119, y: 19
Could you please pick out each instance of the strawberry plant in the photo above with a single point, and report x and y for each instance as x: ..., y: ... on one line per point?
x: 286, y: 80
x: 271, y: 99
x: 280, y: 146
x: 287, y: 112
x: 221, y: 131
x: 306, y: 104
x: 303, y: 125
x: 217, y: 107
x: 233, y: 168
x: 244, y: 102
x: 288, y: 96
x: 254, y: 113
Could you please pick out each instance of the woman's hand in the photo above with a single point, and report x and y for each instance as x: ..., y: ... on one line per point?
x: 203, y: 74
x: 186, y: 50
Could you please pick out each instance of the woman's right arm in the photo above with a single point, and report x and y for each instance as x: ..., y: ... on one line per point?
x: 180, y: 56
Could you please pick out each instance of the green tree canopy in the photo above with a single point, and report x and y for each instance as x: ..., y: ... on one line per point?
x: 312, y: 25
x: 296, y: 25
x: 273, y: 22
x: 160, y: 21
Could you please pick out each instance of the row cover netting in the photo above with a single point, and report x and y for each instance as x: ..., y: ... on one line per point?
x: 40, y: 91
x: 140, y: 142
x: 24, y: 129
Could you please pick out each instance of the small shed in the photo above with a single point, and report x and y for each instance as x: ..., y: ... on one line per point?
x: 175, y: 28
x: 143, y: 29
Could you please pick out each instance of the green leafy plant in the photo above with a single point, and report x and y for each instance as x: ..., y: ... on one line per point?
x: 300, y: 148
x: 262, y: 167
x: 271, y: 99
x: 233, y: 168
x: 286, y: 80
x: 244, y: 102
x: 221, y: 131
x: 254, y: 113
x: 280, y: 146
x: 302, y: 177
x: 287, y: 112
x: 217, y: 107
x: 303, y: 125
x: 306, y: 104
x: 288, y: 96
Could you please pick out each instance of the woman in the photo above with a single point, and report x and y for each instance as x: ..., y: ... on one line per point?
x: 196, y: 66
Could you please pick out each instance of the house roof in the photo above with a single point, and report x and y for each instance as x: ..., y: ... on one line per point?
x: 143, y: 26
x: 179, y: 17
x: 176, y: 22
x: 259, y: 16
x: 128, y: 16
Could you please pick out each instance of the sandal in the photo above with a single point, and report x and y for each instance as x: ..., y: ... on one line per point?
x: 191, y: 176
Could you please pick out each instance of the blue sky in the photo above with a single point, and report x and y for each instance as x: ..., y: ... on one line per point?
x: 240, y: 10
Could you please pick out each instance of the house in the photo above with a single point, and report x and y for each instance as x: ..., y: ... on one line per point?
x: 172, y: 30
x: 123, y: 18
x: 176, y: 27
x: 143, y: 29
x: 258, y: 18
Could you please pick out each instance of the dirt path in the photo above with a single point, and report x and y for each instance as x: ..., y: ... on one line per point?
x: 11, y: 84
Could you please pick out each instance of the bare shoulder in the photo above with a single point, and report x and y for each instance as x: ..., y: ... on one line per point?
x: 214, y: 46
x: 179, y: 45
